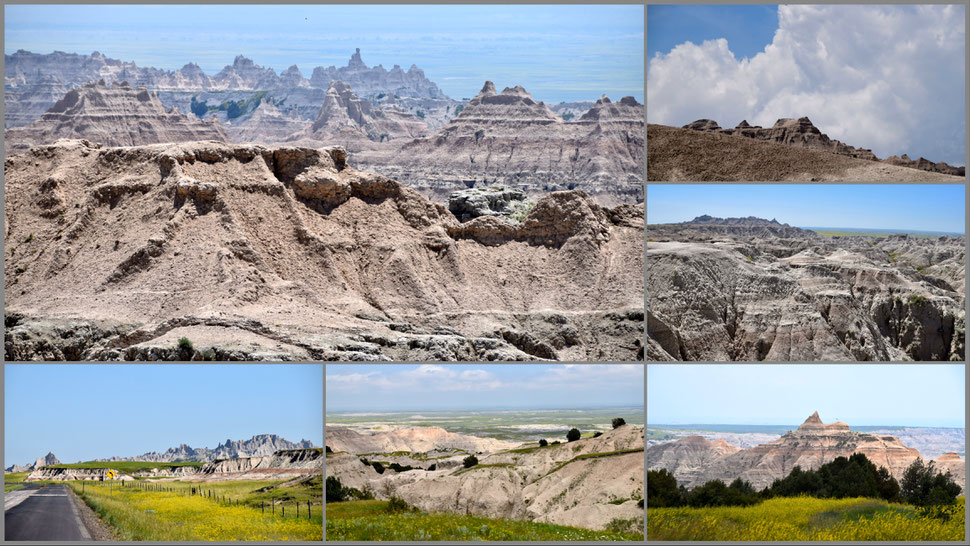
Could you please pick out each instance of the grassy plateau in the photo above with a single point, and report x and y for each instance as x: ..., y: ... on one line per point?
x: 13, y: 481
x: 806, y: 519
x: 372, y: 520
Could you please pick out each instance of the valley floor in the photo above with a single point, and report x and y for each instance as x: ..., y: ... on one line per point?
x: 373, y: 520
x: 804, y: 518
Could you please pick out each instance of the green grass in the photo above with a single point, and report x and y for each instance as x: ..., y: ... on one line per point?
x: 803, y: 519
x: 592, y: 456
x: 370, y: 520
x: 13, y: 480
x: 125, y: 466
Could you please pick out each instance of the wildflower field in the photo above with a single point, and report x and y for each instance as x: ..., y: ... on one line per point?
x: 805, y: 518
x: 370, y: 520
x: 136, y: 513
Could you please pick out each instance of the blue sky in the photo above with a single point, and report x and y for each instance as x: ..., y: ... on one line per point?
x: 891, y: 78
x: 786, y: 394
x: 747, y: 28
x: 83, y: 412
x: 558, y: 53
x: 398, y: 387
x: 925, y: 207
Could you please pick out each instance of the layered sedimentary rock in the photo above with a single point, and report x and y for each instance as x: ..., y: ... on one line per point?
x: 289, y: 253
x: 71, y: 474
x: 41, y: 462
x: 417, y: 439
x: 119, y: 115
x: 510, y: 139
x: 34, y: 82
x: 802, y: 133
x: 354, y: 123
x: 754, y: 289
x: 554, y: 484
x: 267, y: 124
x: 257, y: 446
x: 810, y: 446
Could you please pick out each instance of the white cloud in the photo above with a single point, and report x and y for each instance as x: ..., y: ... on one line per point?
x: 890, y: 78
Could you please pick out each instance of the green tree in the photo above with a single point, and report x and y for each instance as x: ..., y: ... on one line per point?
x: 470, y: 461
x: 335, y: 490
x: 618, y: 422
x: 923, y: 486
x: 543, y: 443
x: 200, y: 109
x: 573, y: 435
x: 233, y: 111
x: 662, y: 489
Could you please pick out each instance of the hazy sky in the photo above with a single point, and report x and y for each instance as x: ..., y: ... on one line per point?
x: 926, y: 207
x: 558, y: 53
x: 83, y: 412
x: 889, y: 78
x: 397, y: 387
x: 786, y: 394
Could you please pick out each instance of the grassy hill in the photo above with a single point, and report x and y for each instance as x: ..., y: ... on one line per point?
x: 804, y: 519
x: 372, y: 520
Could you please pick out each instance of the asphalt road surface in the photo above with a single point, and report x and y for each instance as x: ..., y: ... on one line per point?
x: 45, y: 513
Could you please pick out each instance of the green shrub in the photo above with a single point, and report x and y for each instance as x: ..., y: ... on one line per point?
x: 397, y: 504
x: 378, y: 467
x: 335, y: 490
x: 573, y: 435
x: 618, y: 422
x: 922, y: 486
x: 185, y: 344
x: 470, y: 461
x: 543, y: 443
x: 597, y: 435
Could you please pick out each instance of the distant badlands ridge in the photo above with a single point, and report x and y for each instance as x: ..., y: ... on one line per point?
x: 695, y: 461
x: 263, y: 453
x: 396, y: 123
x: 802, y: 133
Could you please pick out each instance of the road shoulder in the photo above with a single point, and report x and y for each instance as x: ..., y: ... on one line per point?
x: 98, y: 530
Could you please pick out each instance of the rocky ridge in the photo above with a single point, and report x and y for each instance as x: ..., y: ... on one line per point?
x: 119, y: 115
x: 288, y: 253
x: 756, y: 290
x: 510, y: 139
x: 260, y: 445
x: 695, y: 461
x: 550, y: 484
x: 33, y: 82
x: 802, y: 133
x: 267, y: 124
x: 41, y: 462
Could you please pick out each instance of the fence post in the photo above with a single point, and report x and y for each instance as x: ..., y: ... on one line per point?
x: 262, y: 509
x: 283, y: 510
x: 307, y: 509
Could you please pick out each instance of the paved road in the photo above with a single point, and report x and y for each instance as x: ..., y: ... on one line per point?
x: 46, y: 513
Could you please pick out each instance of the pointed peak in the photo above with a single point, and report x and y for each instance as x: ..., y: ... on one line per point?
x: 356, y: 61
x: 813, y: 418
x: 242, y: 60
x: 603, y: 99
x: 488, y: 88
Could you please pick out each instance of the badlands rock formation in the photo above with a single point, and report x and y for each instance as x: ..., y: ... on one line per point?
x: 794, y: 150
x: 510, y: 139
x: 34, y: 82
x: 355, y: 123
x: 695, y: 461
x: 551, y: 484
x: 260, y: 445
x: 119, y: 115
x: 416, y: 439
x: 265, y: 125
x: 41, y: 462
x: 752, y: 289
x: 289, y: 253
x: 283, y: 464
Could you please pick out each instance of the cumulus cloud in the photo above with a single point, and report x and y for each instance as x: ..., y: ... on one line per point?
x: 890, y: 78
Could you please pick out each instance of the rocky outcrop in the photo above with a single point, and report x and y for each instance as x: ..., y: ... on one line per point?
x: 289, y: 253
x: 349, y: 121
x: 510, y: 139
x: 71, y: 474
x: 926, y: 165
x: 260, y: 445
x: 586, y: 483
x: 416, y: 439
x: 119, y: 115
x: 34, y: 82
x: 491, y: 201
x: 695, y: 461
x: 727, y: 290
x: 267, y: 124
x: 41, y: 462
x: 689, y: 457
x: 802, y: 133
x: 281, y: 464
